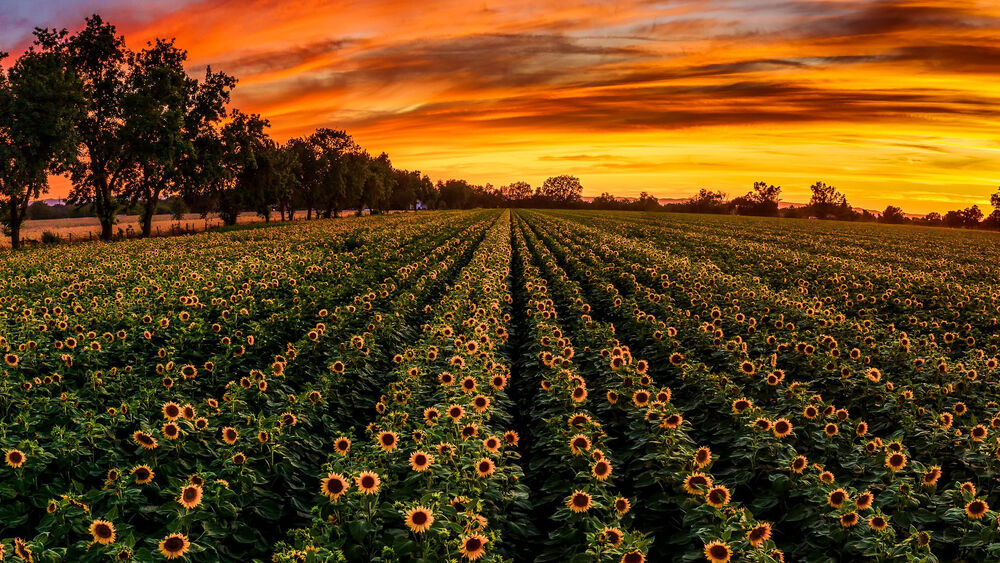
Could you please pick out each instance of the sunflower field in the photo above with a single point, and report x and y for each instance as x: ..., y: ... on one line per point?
x: 499, y: 385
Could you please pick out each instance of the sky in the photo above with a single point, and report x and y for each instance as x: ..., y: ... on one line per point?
x: 892, y: 101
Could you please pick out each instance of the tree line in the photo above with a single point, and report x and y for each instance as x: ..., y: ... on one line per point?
x: 135, y: 133
x: 826, y: 202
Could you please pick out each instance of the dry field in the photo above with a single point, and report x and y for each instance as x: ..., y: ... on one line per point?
x: 88, y: 227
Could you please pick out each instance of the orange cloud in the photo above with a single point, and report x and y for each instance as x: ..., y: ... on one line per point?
x: 887, y: 99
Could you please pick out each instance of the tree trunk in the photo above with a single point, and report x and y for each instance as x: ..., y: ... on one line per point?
x: 15, y: 233
x: 147, y: 218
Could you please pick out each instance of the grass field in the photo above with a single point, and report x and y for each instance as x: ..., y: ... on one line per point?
x: 505, y: 385
x: 84, y: 228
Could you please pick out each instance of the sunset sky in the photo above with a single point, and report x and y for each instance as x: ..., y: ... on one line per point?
x: 891, y: 101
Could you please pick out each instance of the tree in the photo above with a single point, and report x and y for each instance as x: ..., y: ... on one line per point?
x: 605, y: 201
x: 826, y: 201
x: 994, y: 218
x: 761, y: 200
x: 647, y: 202
x: 242, y: 141
x: 455, y: 194
x: 707, y: 201
x: 560, y: 190
x: 965, y: 218
x: 893, y: 215
x: 516, y: 192
x: 155, y: 107
x: 40, y: 99
x: 106, y: 162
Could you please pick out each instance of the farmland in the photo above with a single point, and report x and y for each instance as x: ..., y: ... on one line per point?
x: 496, y: 385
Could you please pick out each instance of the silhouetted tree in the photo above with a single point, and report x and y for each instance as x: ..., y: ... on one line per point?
x: 707, y: 201
x: 827, y: 202
x: 40, y: 100
x: 761, y: 200
x: 893, y: 215
x: 107, y: 160
x: 155, y: 106
x: 964, y: 218
x: 560, y: 190
x: 516, y: 192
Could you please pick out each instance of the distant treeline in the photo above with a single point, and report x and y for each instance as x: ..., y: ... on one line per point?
x: 826, y: 202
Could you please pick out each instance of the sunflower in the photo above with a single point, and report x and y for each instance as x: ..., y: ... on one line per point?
x: 579, y: 501
x: 702, y: 457
x: 895, y: 461
x: 368, y: 482
x: 864, y: 501
x: 978, y: 433
x: 388, y: 441
x: 420, y: 461
x: 862, y: 429
x: 419, y: 519
x: 480, y: 403
x: 837, y: 498
x: 695, y: 482
x: 741, y: 404
x: 762, y: 424
x: 468, y: 384
x: 459, y: 504
x: 976, y: 509
x: 125, y: 554
x: 171, y: 410
x: 171, y: 431
x: 717, y: 496
x: 640, y: 398
x: 634, y: 556
x: 799, y: 464
x: 469, y: 430
x: 931, y: 476
x: 782, y: 427
x: 718, y: 552
x: 849, y: 520
x: 511, y: 438
x: 672, y: 421
x: 230, y: 435
x: 485, y: 467
x: 15, y: 458
x: 473, y: 547
x: 579, y: 444
x: 759, y: 534
x: 923, y: 539
x: 103, y: 532
x: 143, y: 474
x: 612, y: 536
x: 145, y: 440
x: 622, y: 505
x: 342, y: 445
x: 190, y: 496
x: 878, y: 522
x: 22, y: 550
x: 174, y: 546
x: 601, y: 470
x: 334, y: 485
x: 826, y: 477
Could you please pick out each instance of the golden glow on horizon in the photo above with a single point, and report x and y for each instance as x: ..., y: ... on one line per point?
x: 892, y: 101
